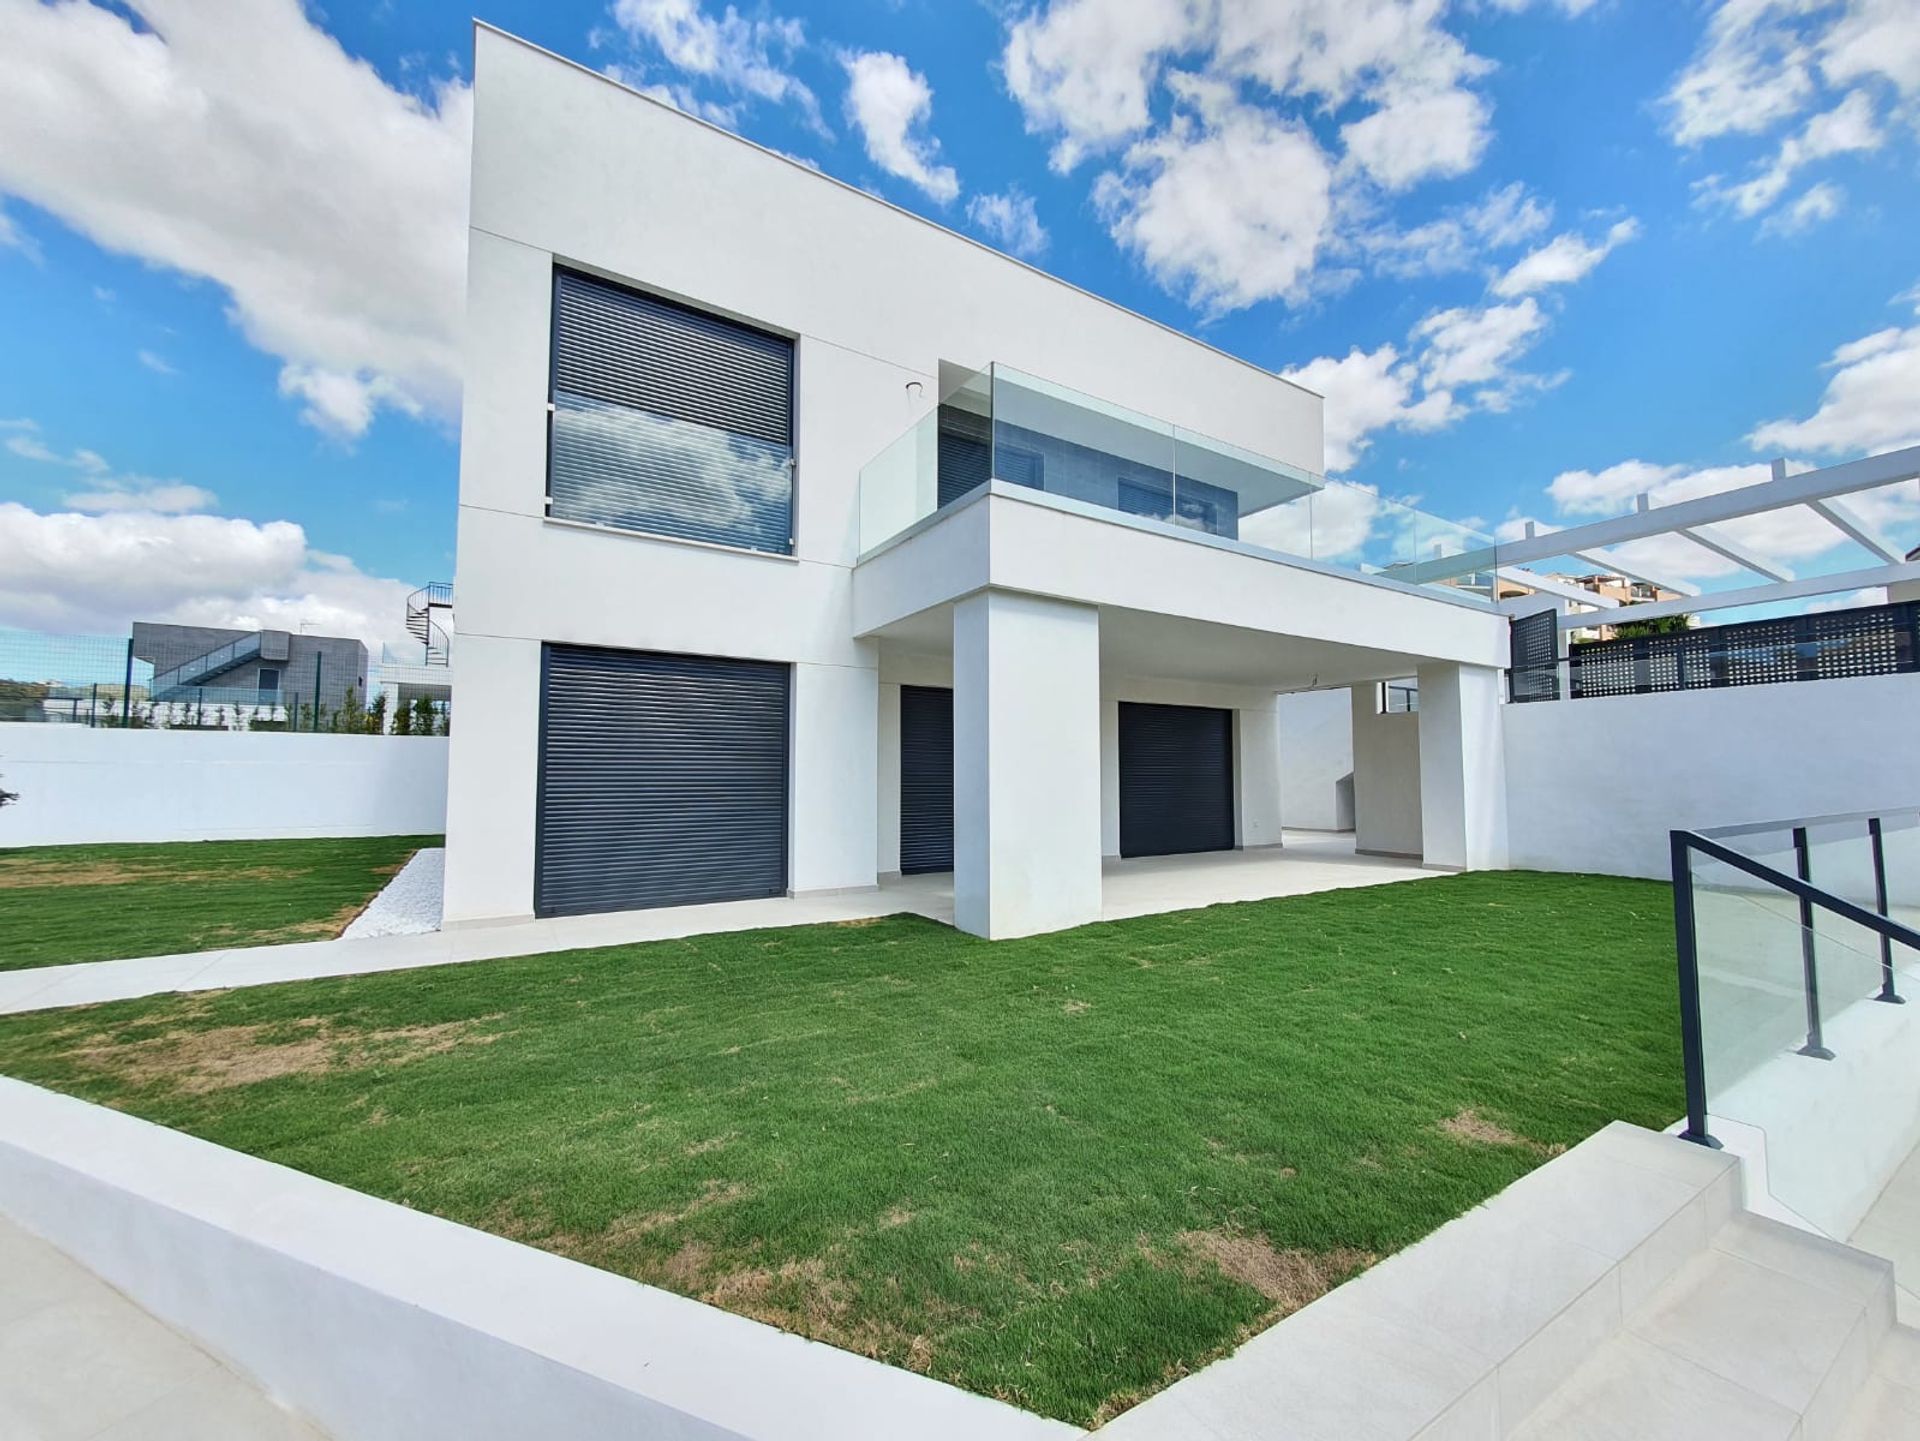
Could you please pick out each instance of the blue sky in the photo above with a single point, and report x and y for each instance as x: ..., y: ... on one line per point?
x: 1539, y: 254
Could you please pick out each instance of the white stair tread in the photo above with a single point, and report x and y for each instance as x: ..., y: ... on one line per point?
x: 1633, y: 1391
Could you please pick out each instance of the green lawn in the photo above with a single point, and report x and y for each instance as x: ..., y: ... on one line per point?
x: 60, y: 904
x: 1063, y: 1171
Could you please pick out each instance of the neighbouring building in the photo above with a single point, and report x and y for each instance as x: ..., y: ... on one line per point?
x: 803, y: 542
x: 271, y: 670
x: 1618, y: 589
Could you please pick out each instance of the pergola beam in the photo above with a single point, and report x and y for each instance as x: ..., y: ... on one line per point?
x: 1843, y: 519
x: 1729, y: 549
x: 1755, y: 595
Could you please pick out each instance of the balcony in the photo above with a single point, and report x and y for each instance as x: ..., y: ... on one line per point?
x: 1020, y: 430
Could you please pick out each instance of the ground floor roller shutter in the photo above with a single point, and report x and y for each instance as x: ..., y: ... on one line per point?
x: 663, y: 780
x: 1176, y: 779
x: 926, y: 779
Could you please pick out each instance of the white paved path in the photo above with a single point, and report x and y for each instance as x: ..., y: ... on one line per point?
x: 80, y: 1362
x: 1309, y: 862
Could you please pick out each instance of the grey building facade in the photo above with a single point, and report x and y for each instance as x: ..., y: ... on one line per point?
x: 246, y: 667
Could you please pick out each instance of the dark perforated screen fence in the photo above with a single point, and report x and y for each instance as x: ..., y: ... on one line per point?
x: 1869, y: 640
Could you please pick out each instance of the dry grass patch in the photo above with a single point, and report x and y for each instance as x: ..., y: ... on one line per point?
x: 218, y: 1058
x: 36, y: 872
x: 1474, y: 1129
x: 1290, y: 1279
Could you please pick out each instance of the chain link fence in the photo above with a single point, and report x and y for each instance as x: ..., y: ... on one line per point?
x: 207, y: 681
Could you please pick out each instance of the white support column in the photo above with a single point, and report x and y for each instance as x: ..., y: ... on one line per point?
x: 1026, y: 765
x: 835, y: 768
x: 1463, y: 772
x: 492, y: 770
x: 1256, y: 774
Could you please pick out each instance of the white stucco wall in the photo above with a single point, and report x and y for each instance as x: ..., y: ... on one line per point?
x: 1386, y: 777
x: 81, y: 786
x: 570, y: 168
x: 1596, y: 785
x: 1316, y: 757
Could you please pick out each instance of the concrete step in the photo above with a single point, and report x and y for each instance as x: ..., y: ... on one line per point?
x: 1888, y: 1407
x: 1771, y: 1332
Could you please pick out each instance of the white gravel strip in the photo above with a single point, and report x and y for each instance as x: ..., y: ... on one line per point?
x: 410, y: 903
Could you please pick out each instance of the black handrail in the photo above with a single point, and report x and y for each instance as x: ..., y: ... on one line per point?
x: 1687, y: 944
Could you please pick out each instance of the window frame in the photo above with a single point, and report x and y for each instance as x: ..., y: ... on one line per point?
x: 792, y: 342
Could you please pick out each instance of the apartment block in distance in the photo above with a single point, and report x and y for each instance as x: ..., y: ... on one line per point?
x: 804, y: 543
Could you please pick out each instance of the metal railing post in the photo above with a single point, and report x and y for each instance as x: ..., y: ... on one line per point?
x: 1693, y: 1051
x: 1809, y: 963
x: 1887, y: 992
x: 316, y: 690
x: 126, y: 690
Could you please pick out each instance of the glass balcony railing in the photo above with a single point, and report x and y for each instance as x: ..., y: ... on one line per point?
x: 1003, y: 424
x: 1798, y: 955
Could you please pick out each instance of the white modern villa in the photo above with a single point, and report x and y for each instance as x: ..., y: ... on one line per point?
x: 803, y: 542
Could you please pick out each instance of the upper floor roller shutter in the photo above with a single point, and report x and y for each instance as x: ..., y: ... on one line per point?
x: 669, y: 420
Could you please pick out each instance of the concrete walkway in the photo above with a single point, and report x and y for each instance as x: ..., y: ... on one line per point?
x: 80, y: 1362
x: 1308, y: 862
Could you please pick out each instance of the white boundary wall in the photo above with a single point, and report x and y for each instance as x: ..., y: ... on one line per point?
x: 383, y: 1324
x: 79, y: 785
x: 1595, y: 785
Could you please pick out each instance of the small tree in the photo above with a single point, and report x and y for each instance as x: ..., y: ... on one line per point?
x: 403, y: 721
x: 1658, y: 625
x: 422, y: 716
x: 377, y: 715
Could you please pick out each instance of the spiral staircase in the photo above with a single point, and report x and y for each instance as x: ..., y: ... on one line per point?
x: 421, y: 625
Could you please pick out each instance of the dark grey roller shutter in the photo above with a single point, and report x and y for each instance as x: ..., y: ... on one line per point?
x: 669, y: 420
x: 926, y: 779
x: 1176, y: 779
x: 663, y: 780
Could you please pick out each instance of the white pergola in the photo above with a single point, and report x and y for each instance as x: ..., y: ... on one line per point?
x: 1823, y: 492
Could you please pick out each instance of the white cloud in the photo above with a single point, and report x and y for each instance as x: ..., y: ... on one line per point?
x: 1085, y: 69
x: 1456, y: 362
x: 1229, y: 203
x: 12, y: 237
x: 135, y: 493
x: 1815, y: 206
x: 1455, y: 240
x: 1563, y: 260
x: 1420, y: 135
x: 157, y: 363
x: 1849, y: 127
x: 1368, y: 391
x: 889, y: 102
x: 112, y: 492
x: 242, y: 145
x: 1011, y: 219
x: 1245, y: 77
x: 342, y: 404
x: 1469, y: 346
x: 1753, y: 70
x: 1831, y: 64
x: 1869, y: 403
x: 748, y: 56
x: 25, y: 442
x: 68, y: 572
